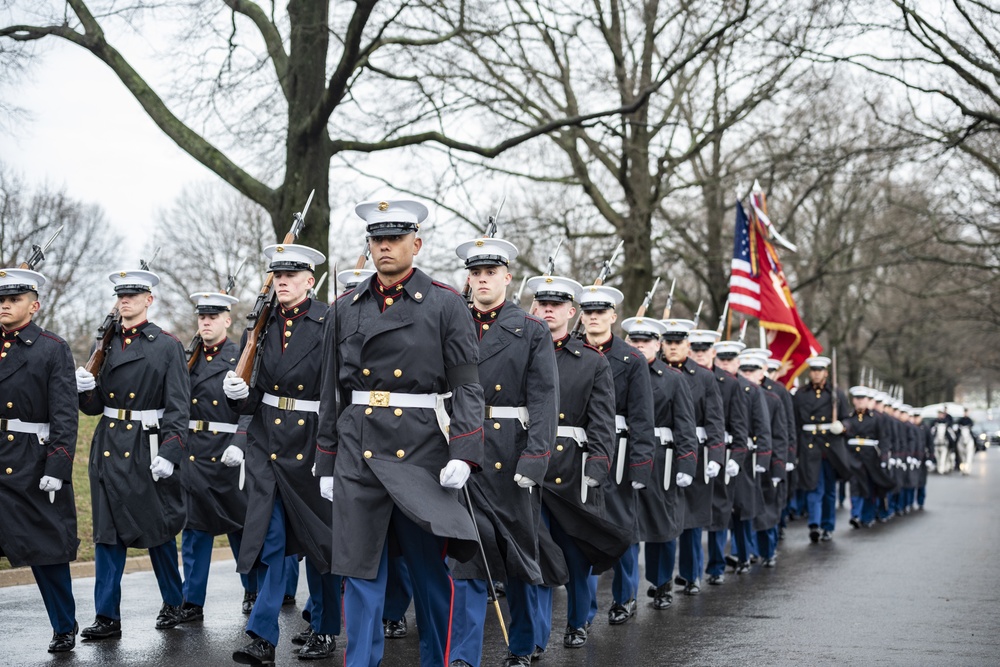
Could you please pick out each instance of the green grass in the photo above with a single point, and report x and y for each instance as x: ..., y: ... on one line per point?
x: 81, y: 489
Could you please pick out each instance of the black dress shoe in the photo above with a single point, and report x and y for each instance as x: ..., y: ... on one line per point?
x: 288, y: 599
x: 770, y: 562
x: 781, y: 533
x: 459, y: 663
x: 680, y: 581
x: 317, y: 647
x: 692, y: 588
x: 664, y: 597
x: 754, y: 558
x: 651, y: 592
x: 743, y: 567
x: 168, y: 617
x: 192, y: 612
x: 500, y: 588
x: 517, y: 660
x: 814, y: 534
x: 258, y: 652
x: 394, y: 629
x: 103, y: 628
x: 574, y: 637
x: 716, y: 579
x: 732, y: 561
x: 63, y: 641
x: 537, y: 653
x: 826, y: 536
x: 303, y: 636
x: 248, y: 599
x: 855, y: 523
x: 620, y: 613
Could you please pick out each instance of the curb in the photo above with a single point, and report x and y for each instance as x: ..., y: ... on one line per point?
x: 20, y: 576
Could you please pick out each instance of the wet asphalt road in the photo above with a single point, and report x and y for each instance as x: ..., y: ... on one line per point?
x: 921, y: 590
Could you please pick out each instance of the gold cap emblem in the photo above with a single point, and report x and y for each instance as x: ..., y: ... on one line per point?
x: 548, y: 280
x: 281, y: 248
x: 479, y: 244
x: 122, y: 274
x: 3, y: 274
x: 383, y: 206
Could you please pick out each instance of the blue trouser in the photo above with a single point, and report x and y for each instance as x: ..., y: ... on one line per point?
x: 895, y: 502
x: 292, y: 571
x: 625, y: 583
x: 56, y: 586
x: 882, y: 508
x: 767, y: 541
x: 271, y: 578
x: 196, y: 554
x: 691, y: 557
x: 921, y: 495
x: 398, y: 590
x: 109, y: 566
x: 822, y: 501
x: 742, y: 540
x: 869, y: 506
x: 472, y: 607
x: 856, y: 504
x: 716, y: 551
x: 433, y: 597
x: 324, y: 600
x: 577, y: 588
x: 660, y: 559
x: 752, y: 541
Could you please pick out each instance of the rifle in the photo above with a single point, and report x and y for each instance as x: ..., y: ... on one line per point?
x: 641, y: 312
x: 670, y: 300
x: 551, y: 266
x: 196, y: 340
x: 491, y: 231
x: 38, y: 253
x: 106, y: 331
x: 697, y: 314
x: 722, y: 320
x: 259, y: 315
x: 743, y: 331
x: 601, y: 277
x: 319, y: 284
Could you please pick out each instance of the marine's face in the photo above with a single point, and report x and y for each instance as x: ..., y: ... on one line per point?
x: 556, y: 314
x: 648, y: 346
x: 817, y: 376
x: 133, y: 306
x: 598, y: 323
x: 488, y: 284
x: 676, y: 351
x: 212, y: 326
x: 728, y: 365
x: 16, y: 309
x: 393, y: 255
x: 291, y: 287
x: 703, y: 358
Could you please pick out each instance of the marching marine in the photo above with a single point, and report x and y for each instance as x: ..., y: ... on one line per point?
x: 38, y: 424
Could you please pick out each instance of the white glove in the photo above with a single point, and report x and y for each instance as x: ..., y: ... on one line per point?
x: 732, y: 468
x: 789, y: 467
x: 326, y: 488
x: 590, y: 481
x: 161, y: 468
x: 455, y: 474
x: 837, y: 427
x: 930, y: 465
x: 759, y: 469
x: 775, y: 481
x: 49, y: 484
x: 683, y: 479
x: 84, y: 380
x: 638, y: 485
x: 235, y: 387
x: 524, y: 482
x: 712, y: 469
x: 232, y: 457
x: 884, y: 464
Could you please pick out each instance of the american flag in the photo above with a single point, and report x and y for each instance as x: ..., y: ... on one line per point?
x: 744, y: 290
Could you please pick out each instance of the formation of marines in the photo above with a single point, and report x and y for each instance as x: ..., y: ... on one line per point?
x: 410, y: 442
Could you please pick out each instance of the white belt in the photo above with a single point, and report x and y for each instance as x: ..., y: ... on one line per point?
x: 814, y: 428
x: 574, y: 432
x: 620, y: 424
x: 283, y: 403
x: 393, y: 399
x: 149, y: 418
x: 519, y: 413
x: 18, y: 426
x: 198, y: 425
x: 665, y: 434
x: 386, y: 399
x: 863, y: 441
x: 701, y: 433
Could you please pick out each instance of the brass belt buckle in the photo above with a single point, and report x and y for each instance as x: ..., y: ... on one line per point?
x: 3, y: 424
x: 489, y: 412
x: 286, y: 403
x: 124, y: 415
x: 378, y: 399
x: 199, y: 426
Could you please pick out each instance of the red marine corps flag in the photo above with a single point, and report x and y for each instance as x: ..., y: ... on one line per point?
x: 757, y: 287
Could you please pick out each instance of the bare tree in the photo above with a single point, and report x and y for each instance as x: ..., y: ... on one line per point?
x: 77, y: 294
